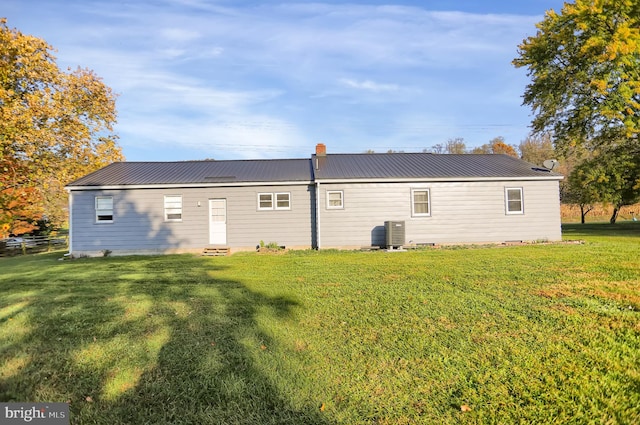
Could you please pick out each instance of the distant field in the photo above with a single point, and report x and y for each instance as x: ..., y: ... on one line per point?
x: 518, y: 334
x: 601, y: 213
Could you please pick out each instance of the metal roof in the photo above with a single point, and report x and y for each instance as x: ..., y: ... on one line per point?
x: 198, y: 172
x: 425, y: 166
x: 333, y: 167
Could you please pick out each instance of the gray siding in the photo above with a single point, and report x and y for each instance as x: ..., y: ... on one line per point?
x: 139, y: 225
x: 461, y: 212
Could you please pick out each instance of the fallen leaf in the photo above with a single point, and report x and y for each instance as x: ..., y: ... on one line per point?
x: 465, y: 408
x: 89, y: 399
x: 322, y: 407
x: 263, y: 347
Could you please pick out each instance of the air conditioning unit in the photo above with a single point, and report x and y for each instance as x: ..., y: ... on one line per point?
x: 394, y: 233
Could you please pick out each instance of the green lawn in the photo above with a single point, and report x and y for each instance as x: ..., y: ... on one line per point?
x: 518, y: 334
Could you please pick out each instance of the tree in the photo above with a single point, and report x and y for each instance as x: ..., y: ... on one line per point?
x: 614, y: 180
x: 453, y: 146
x: 484, y: 149
x: 496, y: 146
x: 18, y: 210
x: 536, y: 149
x: 578, y: 191
x: 584, y: 65
x: 55, y: 126
x: 437, y: 148
x: 456, y: 146
x: 572, y: 187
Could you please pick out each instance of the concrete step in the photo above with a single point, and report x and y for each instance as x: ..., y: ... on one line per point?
x: 216, y: 251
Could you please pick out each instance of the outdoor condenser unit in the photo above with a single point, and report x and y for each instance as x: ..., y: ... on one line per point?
x: 394, y: 233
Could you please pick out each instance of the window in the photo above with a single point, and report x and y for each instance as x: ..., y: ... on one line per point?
x: 514, y: 201
x: 274, y: 201
x: 335, y: 199
x: 283, y: 201
x: 173, y: 208
x: 420, y: 203
x: 104, y: 209
x: 265, y: 201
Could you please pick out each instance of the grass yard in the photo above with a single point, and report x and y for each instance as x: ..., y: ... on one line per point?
x: 517, y: 334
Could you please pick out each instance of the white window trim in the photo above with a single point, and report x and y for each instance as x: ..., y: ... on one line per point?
x: 166, y: 209
x: 506, y: 201
x: 275, y: 201
x: 335, y: 207
x: 413, y: 202
x: 101, y: 212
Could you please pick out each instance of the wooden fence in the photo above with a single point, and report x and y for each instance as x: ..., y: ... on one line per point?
x: 32, y: 244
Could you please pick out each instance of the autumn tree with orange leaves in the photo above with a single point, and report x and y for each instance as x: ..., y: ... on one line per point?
x: 497, y: 145
x: 55, y: 126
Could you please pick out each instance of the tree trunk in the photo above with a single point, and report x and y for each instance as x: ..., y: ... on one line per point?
x: 614, y: 216
x: 584, y: 210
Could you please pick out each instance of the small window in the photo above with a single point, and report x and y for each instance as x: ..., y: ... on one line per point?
x: 514, y: 200
x: 274, y: 201
x: 283, y: 201
x: 173, y: 208
x: 335, y: 200
x: 420, y: 203
x: 265, y: 201
x: 104, y: 209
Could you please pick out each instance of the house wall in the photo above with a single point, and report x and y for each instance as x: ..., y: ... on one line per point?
x: 139, y: 226
x: 461, y: 212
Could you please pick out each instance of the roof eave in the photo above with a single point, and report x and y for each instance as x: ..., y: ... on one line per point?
x: 71, y: 188
x: 438, y: 179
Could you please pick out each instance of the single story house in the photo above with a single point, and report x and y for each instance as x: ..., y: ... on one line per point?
x: 325, y: 201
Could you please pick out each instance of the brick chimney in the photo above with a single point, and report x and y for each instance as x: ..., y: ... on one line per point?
x: 321, y: 149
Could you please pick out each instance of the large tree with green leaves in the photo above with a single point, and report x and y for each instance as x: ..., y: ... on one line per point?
x: 584, y: 65
x: 55, y: 126
x: 612, y: 181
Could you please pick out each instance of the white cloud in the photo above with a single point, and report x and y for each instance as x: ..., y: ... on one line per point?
x: 171, y: 53
x: 179, y: 35
x: 243, y: 135
x: 262, y: 78
x: 369, y: 85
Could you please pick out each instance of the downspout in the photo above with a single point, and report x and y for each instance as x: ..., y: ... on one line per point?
x: 69, y: 242
x: 318, y: 215
x: 321, y: 150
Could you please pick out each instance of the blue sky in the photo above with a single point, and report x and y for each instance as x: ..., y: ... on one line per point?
x: 245, y: 79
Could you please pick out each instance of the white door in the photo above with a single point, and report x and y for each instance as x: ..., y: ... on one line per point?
x: 217, y: 221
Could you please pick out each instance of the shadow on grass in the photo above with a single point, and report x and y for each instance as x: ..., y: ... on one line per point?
x: 167, y: 343
x: 625, y: 229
